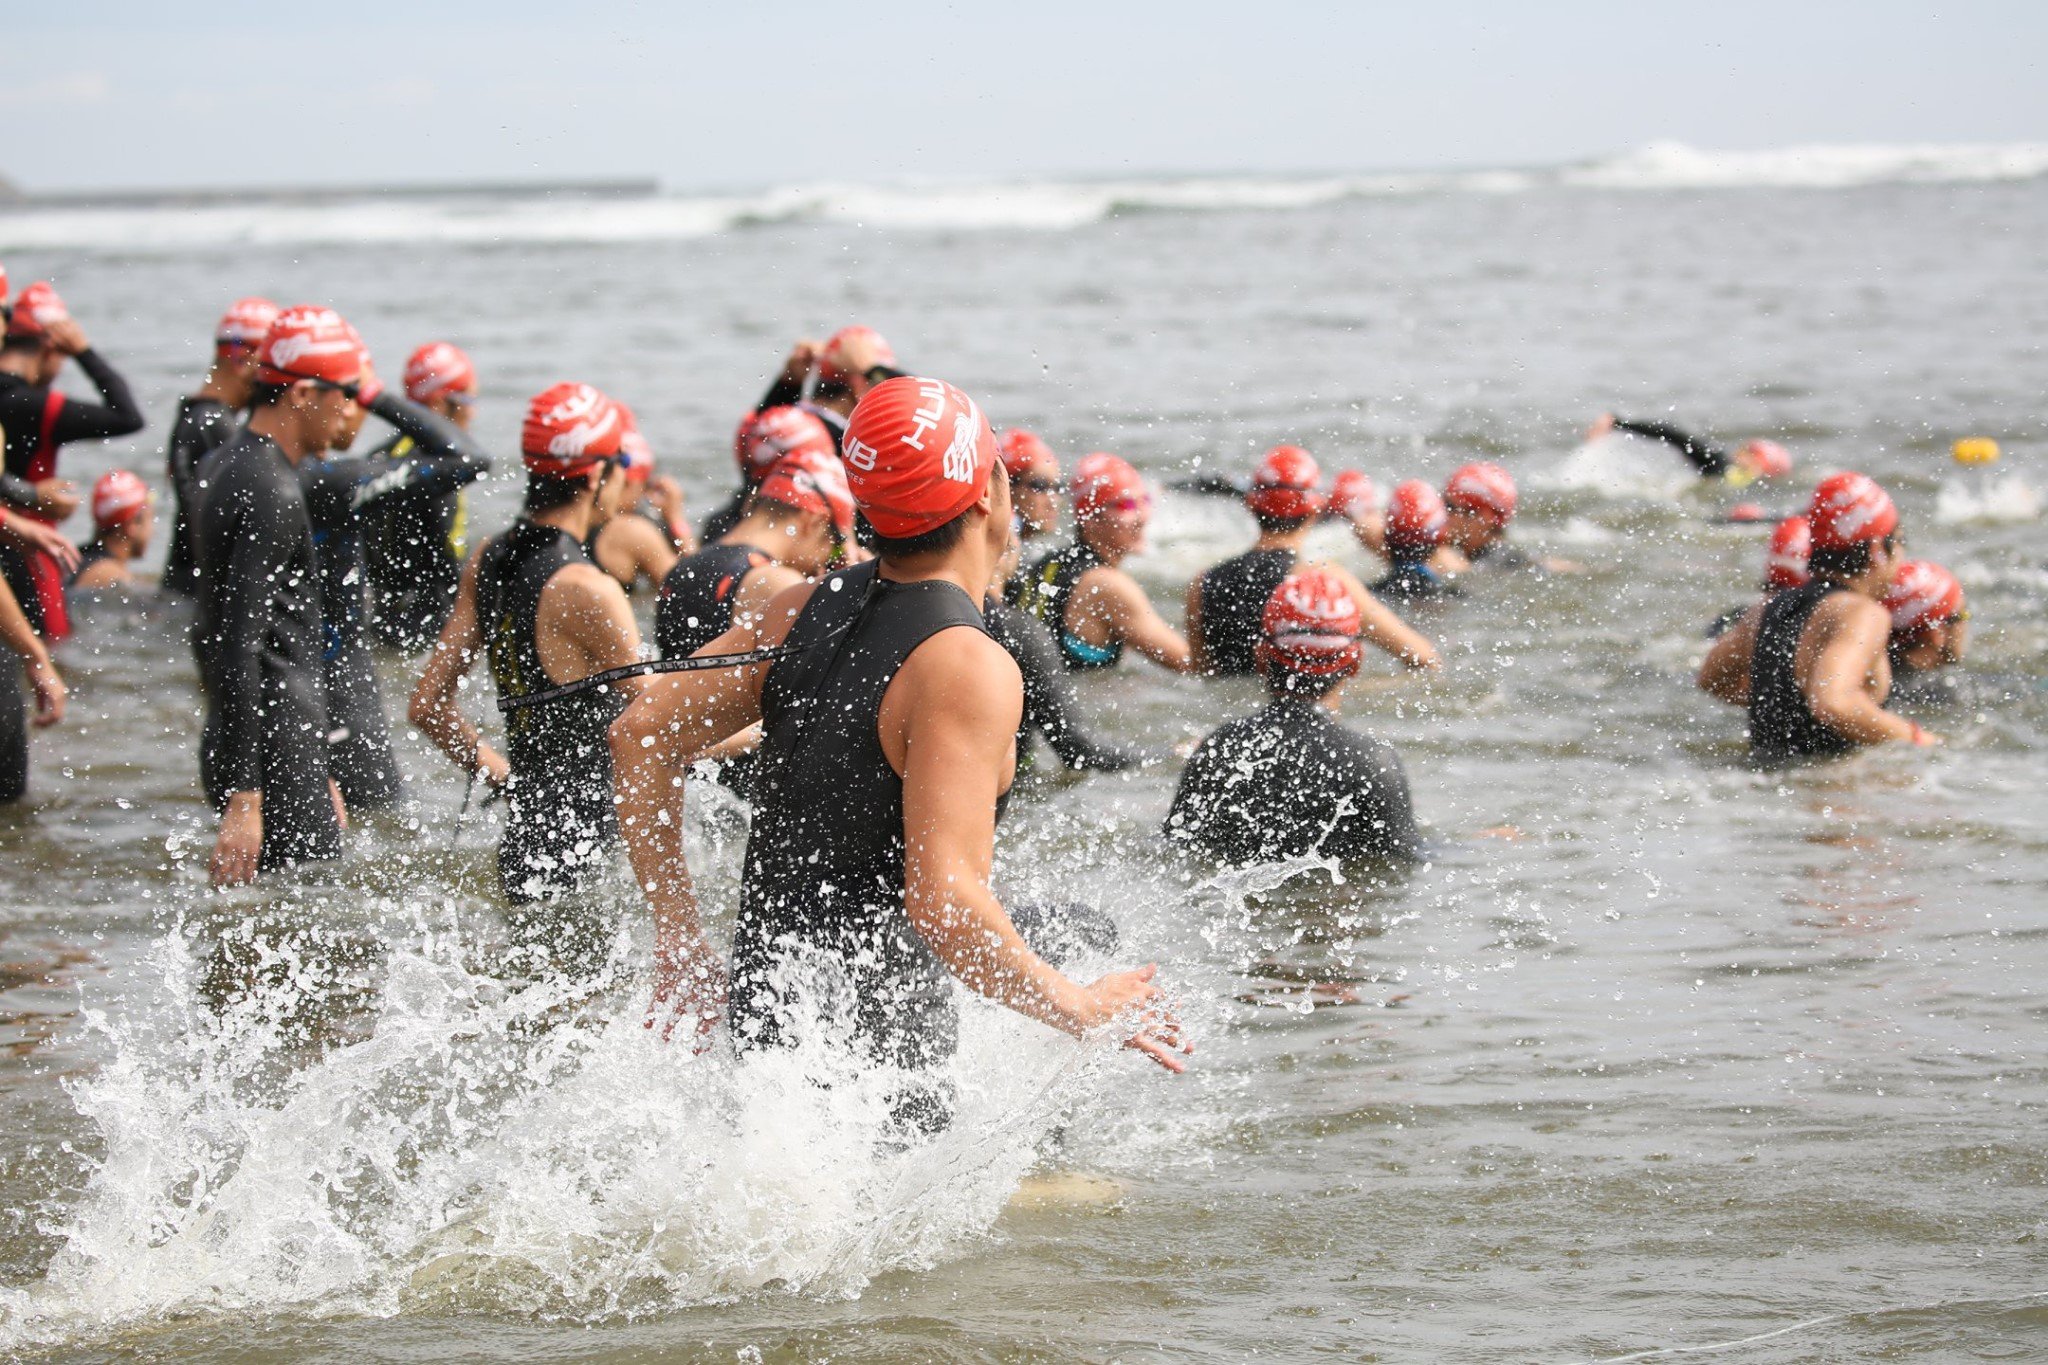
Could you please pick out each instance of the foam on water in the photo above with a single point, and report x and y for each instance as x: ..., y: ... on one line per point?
x: 2006, y: 497
x: 1619, y: 466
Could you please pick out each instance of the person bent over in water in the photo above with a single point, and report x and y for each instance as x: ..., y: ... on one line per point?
x: 1746, y: 464
x: 544, y: 615
x: 1291, y: 779
x: 1414, y: 529
x: 1082, y: 594
x: 889, y: 746
x: 1930, y: 630
x: 1810, y: 663
x: 1224, y: 603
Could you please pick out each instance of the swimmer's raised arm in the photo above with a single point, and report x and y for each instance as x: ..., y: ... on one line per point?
x: 1116, y: 598
x: 434, y: 708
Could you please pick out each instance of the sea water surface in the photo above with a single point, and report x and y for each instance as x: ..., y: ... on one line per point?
x: 1652, y: 1051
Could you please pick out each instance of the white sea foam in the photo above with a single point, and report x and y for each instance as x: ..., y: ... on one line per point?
x: 1987, y: 497
x: 1618, y: 466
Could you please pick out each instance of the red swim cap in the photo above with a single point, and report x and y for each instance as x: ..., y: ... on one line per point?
x: 1311, y: 626
x: 918, y: 453
x: 1767, y: 458
x: 37, y: 310
x: 1484, y: 490
x: 1022, y: 449
x: 1415, y: 520
x: 1922, y: 594
x: 569, y: 428
x: 832, y: 362
x: 245, y: 322
x: 1353, y: 495
x: 1849, y: 509
x: 1105, y: 485
x: 636, y: 456
x: 1284, y: 485
x: 116, y: 498
x: 437, y: 368
x: 765, y: 437
x: 814, y: 483
x: 310, y: 342
x: 3, y: 286
x: 1785, y: 561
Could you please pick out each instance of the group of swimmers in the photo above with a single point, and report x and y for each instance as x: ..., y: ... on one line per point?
x: 860, y: 642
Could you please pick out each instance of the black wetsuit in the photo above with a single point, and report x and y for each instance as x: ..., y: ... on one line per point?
x: 412, y: 555
x: 1234, y: 597
x: 257, y: 639
x: 15, y: 493
x: 1781, y: 723
x: 38, y: 419
x: 1411, y: 580
x: 202, y: 426
x: 1048, y: 587
x: 823, y: 886
x: 1712, y: 462
x: 1050, y: 706
x: 342, y: 494
x: 697, y: 597
x: 1292, y: 780
x: 559, y: 827
x: 88, y: 555
x: 719, y: 524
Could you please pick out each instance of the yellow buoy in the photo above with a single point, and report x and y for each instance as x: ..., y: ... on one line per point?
x: 1976, y: 450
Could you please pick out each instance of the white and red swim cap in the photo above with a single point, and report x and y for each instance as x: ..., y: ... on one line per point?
x: 918, y: 453
x: 1785, y: 560
x: 764, y: 437
x: 245, y: 323
x: 1311, y: 625
x: 39, y: 308
x: 1765, y: 459
x: 833, y: 364
x: 811, y: 482
x: 1850, y: 509
x: 568, y: 429
x: 1353, y: 495
x: 1922, y: 594
x: 311, y: 342
x: 436, y: 368
x: 1484, y: 490
x: 1105, y: 485
x: 1022, y: 449
x: 1284, y: 485
x: 1415, y: 519
x: 119, y: 496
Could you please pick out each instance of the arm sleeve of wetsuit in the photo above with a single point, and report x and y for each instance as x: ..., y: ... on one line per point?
x: 260, y: 556
x: 881, y: 374
x: 781, y: 393
x: 118, y: 416
x: 1049, y: 702
x: 443, y: 459
x: 1709, y: 460
x: 327, y: 484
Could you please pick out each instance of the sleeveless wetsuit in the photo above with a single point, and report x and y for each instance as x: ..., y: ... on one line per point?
x: 202, y: 426
x: 559, y: 827
x: 823, y: 885
x: 1047, y: 590
x: 1412, y: 579
x: 412, y: 556
x: 1781, y: 724
x: 697, y: 597
x: 1234, y: 597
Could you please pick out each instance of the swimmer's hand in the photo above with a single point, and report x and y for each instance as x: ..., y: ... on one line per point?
x: 31, y: 534
x: 56, y: 499
x: 1602, y: 424
x: 240, y: 843
x: 340, y: 806
x: 689, y: 988
x: 1123, y: 998
x: 1923, y: 739
x: 802, y: 356
x: 48, y: 688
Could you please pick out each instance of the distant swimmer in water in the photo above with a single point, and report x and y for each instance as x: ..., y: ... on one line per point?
x: 534, y: 605
x: 1746, y: 464
x: 1291, y: 779
x: 1035, y: 486
x: 1415, y: 522
x: 644, y: 538
x: 890, y: 723
x: 762, y: 439
x: 1081, y: 593
x: 1225, y: 602
x: 1784, y: 567
x: 1810, y: 663
x: 38, y: 421
x: 1355, y: 500
x: 1930, y: 633
x: 1480, y: 501
x: 257, y: 634
x: 206, y: 418
x: 123, y: 517
x: 45, y: 689
x: 413, y: 547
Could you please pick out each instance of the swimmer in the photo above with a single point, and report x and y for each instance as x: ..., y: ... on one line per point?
x: 39, y: 421
x: 206, y: 419
x: 1034, y: 485
x: 1415, y: 523
x: 1480, y: 501
x: 1082, y: 594
x: 1355, y: 500
x: 1746, y: 464
x: 1784, y: 567
x: 1930, y: 629
x: 46, y: 691
x: 761, y: 440
x: 413, y: 548
x: 1810, y: 663
x: 1225, y: 603
x: 827, y: 378
x: 633, y: 544
x: 257, y: 634
x: 892, y: 687
x: 123, y: 515
x: 1291, y: 779
x: 533, y: 603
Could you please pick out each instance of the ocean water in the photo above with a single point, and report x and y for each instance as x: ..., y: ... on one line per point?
x: 1652, y: 1052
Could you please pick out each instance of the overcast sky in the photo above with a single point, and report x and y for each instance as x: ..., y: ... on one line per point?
x: 735, y: 94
